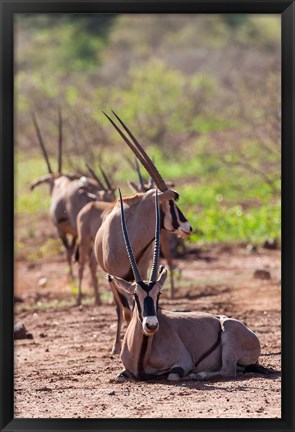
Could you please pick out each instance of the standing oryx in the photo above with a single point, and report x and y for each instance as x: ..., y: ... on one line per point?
x: 166, y: 237
x: 109, y: 245
x: 89, y: 220
x: 157, y: 341
x: 69, y: 193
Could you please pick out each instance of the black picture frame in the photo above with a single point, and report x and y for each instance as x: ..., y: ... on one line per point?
x: 7, y: 10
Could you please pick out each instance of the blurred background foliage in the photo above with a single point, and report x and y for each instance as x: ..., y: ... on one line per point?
x: 201, y: 92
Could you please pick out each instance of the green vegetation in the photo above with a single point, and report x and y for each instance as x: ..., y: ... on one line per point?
x: 202, y: 93
x: 226, y: 207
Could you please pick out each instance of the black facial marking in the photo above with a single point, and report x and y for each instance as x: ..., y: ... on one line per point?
x: 147, y: 286
x: 173, y: 215
x: 148, y: 307
x: 181, y: 216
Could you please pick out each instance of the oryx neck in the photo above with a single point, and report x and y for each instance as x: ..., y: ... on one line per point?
x: 141, y: 346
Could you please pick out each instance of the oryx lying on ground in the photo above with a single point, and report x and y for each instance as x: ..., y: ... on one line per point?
x: 69, y: 193
x: 156, y: 342
x: 109, y: 245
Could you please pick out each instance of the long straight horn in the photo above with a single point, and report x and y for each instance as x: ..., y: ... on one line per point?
x: 41, y: 142
x: 59, y: 153
x: 128, y: 142
x: 155, y: 267
x: 135, y: 270
x: 139, y: 174
x: 140, y: 153
x: 95, y: 177
x: 149, y: 165
x: 151, y: 179
x: 109, y: 186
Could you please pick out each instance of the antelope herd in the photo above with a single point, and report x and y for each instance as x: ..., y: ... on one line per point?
x: 122, y: 237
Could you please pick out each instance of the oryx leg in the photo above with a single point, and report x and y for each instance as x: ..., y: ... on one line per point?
x: 122, y: 309
x: 69, y: 251
x: 93, y: 268
x: 166, y: 252
x: 239, y: 346
x: 171, y: 271
x: 82, y: 262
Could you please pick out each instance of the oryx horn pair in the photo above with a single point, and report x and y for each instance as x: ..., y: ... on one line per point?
x: 106, y: 179
x: 134, y: 267
x: 140, y: 153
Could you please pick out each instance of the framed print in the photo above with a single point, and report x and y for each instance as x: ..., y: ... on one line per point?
x: 147, y: 184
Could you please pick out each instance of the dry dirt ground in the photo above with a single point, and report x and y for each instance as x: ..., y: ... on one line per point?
x: 67, y: 370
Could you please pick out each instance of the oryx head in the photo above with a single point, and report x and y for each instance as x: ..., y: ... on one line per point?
x: 172, y: 219
x: 146, y: 293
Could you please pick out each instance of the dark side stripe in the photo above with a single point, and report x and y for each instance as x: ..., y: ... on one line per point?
x: 210, y: 350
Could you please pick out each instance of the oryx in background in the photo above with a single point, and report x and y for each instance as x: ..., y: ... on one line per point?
x: 68, y: 194
x: 109, y: 245
x: 89, y: 220
x: 157, y: 341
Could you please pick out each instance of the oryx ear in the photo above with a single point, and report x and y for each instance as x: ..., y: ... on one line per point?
x: 122, y: 285
x: 163, y: 276
x: 133, y: 186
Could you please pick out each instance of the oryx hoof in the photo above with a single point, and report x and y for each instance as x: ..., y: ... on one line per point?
x: 173, y: 377
x: 176, y: 373
x: 124, y: 376
x: 116, y: 349
x: 199, y: 376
